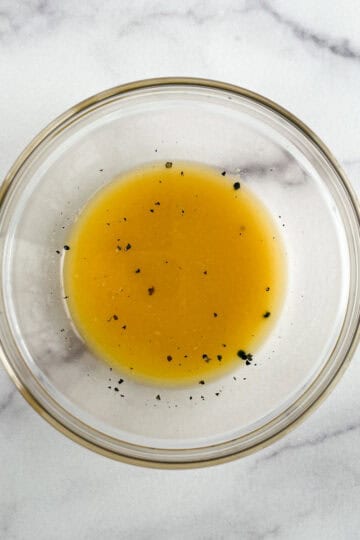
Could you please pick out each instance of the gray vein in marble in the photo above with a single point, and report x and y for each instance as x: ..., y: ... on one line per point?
x: 6, y: 401
x: 141, y: 21
x: 7, y: 515
x: 18, y: 17
x: 350, y: 162
x: 340, y: 48
x: 319, y: 439
x: 271, y: 170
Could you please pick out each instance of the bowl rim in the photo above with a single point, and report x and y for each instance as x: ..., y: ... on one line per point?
x: 314, y: 139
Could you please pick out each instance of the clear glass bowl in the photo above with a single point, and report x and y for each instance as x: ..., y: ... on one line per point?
x: 294, y: 175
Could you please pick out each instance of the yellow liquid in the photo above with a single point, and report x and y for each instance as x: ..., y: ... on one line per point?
x: 173, y: 269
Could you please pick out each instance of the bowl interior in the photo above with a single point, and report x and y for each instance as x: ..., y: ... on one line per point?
x: 287, y: 171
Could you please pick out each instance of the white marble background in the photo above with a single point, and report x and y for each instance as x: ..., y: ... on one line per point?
x: 306, y: 56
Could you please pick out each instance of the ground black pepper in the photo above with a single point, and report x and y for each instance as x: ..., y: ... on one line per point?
x: 236, y: 185
x: 168, y: 164
x: 151, y: 290
x: 266, y: 314
x: 66, y: 247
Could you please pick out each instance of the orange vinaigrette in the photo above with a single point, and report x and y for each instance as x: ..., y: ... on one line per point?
x: 174, y: 273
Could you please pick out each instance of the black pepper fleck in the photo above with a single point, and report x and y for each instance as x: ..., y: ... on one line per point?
x: 158, y: 397
x: 266, y: 314
x: 223, y: 173
x: 66, y: 247
x: 219, y: 357
x: 215, y: 314
x: 120, y: 381
x: 116, y: 389
x: 201, y: 382
x: 128, y: 246
x: 137, y: 271
x: 236, y: 185
x: 267, y: 289
x: 169, y: 358
x: 151, y: 290
x: 242, y: 354
x: 168, y: 164
x: 115, y: 317
x: 58, y: 252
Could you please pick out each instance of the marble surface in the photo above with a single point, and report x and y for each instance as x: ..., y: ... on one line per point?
x: 304, y: 55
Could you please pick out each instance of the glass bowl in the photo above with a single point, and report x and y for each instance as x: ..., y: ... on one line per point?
x: 300, y: 183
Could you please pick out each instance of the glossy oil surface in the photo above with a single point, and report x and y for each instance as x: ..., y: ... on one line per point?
x: 175, y: 272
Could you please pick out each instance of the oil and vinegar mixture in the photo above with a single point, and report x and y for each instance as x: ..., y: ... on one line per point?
x: 174, y: 273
